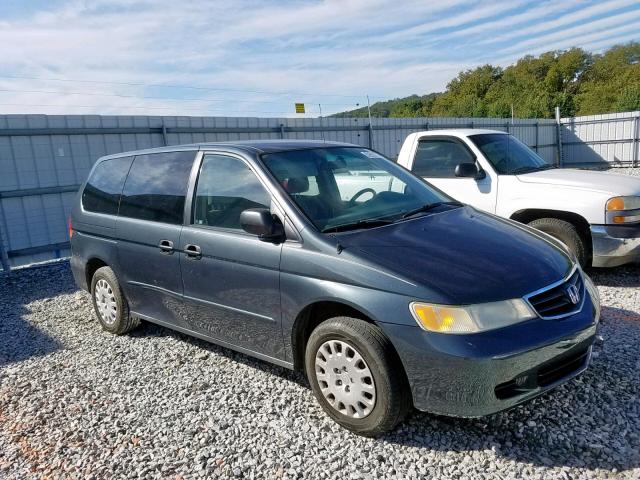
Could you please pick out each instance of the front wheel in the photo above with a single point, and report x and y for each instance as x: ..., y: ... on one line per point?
x: 566, y: 232
x: 356, y: 376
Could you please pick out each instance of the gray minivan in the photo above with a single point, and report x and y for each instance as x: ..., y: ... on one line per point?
x: 330, y: 258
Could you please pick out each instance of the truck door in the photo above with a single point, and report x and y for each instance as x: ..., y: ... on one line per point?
x: 436, y: 159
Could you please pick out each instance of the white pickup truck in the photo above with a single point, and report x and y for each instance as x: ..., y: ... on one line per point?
x: 596, y: 214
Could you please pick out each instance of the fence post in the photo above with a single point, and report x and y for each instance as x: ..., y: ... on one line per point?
x: 636, y: 139
x: 506, y: 125
x: 559, y: 137
x: 164, y: 134
x: 282, y: 130
x: 537, y: 136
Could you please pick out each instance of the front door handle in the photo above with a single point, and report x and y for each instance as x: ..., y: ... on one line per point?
x: 193, y: 251
x: 166, y: 246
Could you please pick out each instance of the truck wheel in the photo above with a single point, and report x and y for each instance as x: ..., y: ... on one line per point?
x: 565, y: 232
x: 109, y: 303
x: 356, y: 376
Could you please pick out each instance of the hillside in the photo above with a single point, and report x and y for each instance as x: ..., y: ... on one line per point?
x: 581, y: 83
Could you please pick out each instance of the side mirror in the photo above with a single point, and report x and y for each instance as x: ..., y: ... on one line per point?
x: 260, y: 222
x: 469, y: 170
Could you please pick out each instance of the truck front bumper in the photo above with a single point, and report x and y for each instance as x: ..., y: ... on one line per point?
x: 615, y: 245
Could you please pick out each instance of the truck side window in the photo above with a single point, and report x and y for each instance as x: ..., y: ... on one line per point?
x: 104, y: 187
x: 156, y: 187
x: 226, y: 186
x: 438, y: 158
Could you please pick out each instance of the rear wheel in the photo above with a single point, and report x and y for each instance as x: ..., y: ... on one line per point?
x: 109, y: 303
x: 567, y: 233
x: 356, y: 376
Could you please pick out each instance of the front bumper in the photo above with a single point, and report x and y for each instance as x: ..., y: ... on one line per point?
x: 480, y: 374
x: 615, y: 245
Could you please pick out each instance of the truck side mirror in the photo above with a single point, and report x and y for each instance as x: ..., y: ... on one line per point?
x: 469, y: 170
x: 260, y: 222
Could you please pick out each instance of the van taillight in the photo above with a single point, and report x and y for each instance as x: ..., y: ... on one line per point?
x: 70, y: 228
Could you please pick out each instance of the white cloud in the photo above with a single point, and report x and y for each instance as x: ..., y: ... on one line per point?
x: 300, y: 50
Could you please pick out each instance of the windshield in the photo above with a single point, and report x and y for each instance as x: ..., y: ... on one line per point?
x: 508, y: 155
x: 349, y: 186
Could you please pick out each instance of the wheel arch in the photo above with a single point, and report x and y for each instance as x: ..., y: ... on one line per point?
x: 527, y: 215
x: 316, y: 313
x: 92, y: 265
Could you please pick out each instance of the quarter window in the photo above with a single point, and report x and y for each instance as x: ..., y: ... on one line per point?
x: 226, y: 187
x: 156, y: 187
x: 438, y: 158
x: 104, y: 187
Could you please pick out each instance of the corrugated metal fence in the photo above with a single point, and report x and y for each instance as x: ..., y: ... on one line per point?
x: 44, y: 158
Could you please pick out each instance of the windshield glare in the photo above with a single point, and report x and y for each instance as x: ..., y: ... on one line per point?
x: 508, y: 155
x: 343, y: 185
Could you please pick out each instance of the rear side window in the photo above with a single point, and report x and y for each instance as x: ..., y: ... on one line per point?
x: 156, y: 187
x: 438, y: 158
x: 104, y: 187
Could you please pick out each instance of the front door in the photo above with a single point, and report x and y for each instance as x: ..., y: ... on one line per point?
x: 231, y: 278
x: 148, y: 227
x: 436, y: 160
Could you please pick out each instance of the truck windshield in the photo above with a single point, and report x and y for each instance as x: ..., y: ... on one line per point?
x: 508, y: 155
x: 346, y: 188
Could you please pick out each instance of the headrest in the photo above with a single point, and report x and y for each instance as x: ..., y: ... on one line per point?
x: 296, y: 184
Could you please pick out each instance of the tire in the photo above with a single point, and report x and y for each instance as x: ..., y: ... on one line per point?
x: 109, y: 303
x: 567, y: 233
x: 385, y: 396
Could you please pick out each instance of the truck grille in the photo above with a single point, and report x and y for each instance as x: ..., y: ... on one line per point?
x: 560, y: 300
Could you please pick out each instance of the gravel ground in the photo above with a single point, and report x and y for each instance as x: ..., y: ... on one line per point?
x: 76, y: 402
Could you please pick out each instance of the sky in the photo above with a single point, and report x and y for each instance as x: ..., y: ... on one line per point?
x: 257, y: 58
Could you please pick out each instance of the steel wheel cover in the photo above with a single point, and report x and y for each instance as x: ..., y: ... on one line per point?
x: 344, y: 378
x: 106, y: 302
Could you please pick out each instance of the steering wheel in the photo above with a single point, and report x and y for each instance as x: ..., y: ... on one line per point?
x: 358, y: 194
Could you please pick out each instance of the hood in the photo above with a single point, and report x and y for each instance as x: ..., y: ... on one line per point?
x: 612, y: 183
x: 463, y: 255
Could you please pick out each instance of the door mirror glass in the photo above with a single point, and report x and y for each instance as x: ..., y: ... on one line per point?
x: 260, y: 222
x: 469, y: 170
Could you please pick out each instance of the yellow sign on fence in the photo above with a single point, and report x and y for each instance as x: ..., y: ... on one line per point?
x: 299, y: 107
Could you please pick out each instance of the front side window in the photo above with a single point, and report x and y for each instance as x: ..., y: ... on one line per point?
x: 226, y: 187
x: 337, y: 187
x: 438, y: 158
x: 104, y: 187
x: 508, y: 155
x: 156, y: 187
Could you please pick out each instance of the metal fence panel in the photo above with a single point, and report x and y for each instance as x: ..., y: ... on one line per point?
x: 43, y: 158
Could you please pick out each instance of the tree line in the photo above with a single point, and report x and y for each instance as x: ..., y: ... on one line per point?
x: 579, y: 82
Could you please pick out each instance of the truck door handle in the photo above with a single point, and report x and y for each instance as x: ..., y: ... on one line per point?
x: 193, y: 251
x: 166, y: 246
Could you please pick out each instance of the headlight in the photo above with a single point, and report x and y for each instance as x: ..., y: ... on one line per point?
x: 471, y: 318
x: 623, y: 210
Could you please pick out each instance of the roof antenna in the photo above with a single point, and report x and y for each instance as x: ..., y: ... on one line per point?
x: 370, y: 124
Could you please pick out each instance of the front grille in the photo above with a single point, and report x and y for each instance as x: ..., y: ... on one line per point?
x: 560, y: 368
x: 561, y: 300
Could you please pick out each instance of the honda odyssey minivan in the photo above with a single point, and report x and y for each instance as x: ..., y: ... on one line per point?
x: 329, y: 258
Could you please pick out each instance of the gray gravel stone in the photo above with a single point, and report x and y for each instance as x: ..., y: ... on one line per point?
x: 76, y: 402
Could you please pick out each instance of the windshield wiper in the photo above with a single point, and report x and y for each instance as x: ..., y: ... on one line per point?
x: 365, y: 223
x: 427, y: 207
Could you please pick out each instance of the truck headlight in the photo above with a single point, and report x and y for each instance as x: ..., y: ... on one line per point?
x: 623, y: 210
x: 470, y: 318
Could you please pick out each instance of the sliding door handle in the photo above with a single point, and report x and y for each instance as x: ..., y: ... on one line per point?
x: 166, y: 246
